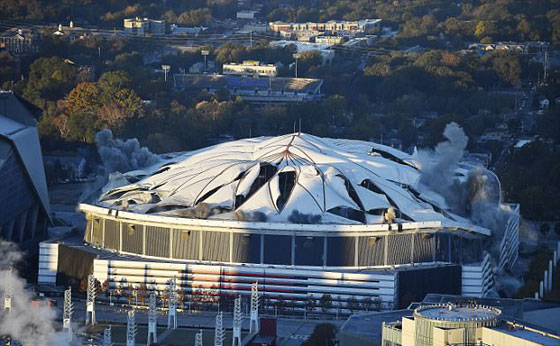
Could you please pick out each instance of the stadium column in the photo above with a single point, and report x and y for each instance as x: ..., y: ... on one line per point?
x: 262, y: 249
x: 325, y: 243
x: 293, y: 249
x: 103, y: 233
x: 200, y: 245
x: 120, y: 236
x: 171, y: 231
x: 412, y: 247
x: 230, y: 245
x: 144, y: 240
x: 356, y: 250
x: 386, y: 243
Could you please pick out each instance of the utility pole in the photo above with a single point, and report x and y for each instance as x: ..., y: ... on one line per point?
x: 254, y: 324
x: 9, y: 293
x: 107, y: 337
x: 296, y: 56
x: 131, y: 329
x: 67, y: 314
x: 90, y: 301
x: 236, y: 341
x: 219, y: 331
x: 172, y: 303
x: 152, y: 320
x: 198, y: 339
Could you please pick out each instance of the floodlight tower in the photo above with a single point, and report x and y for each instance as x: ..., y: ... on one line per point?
x: 198, y: 339
x: 131, y: 329
x: 90, y: 302
x: 107, y: 337
x: 67, y: 314
x: 172, y: 303
x: 152, y: 320
x: 219, y: 331
x: 236, y: 341
x: 254, y: 324
x: 9, y: 293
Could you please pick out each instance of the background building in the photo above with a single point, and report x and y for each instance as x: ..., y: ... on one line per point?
x: 24, y: 201
x: 250, y: 68
x: 143, y: 26
x: 450, y: 324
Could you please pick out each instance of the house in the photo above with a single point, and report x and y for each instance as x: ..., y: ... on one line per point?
x: 19, y: 41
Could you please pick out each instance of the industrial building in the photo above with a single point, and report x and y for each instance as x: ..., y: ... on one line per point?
x: 254, y: 90
x: 305, y: 217
x: 24, y: 201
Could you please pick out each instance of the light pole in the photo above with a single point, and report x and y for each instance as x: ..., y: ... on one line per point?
x: 165, y: 69
x: 296, y: 56
x: 205, y: 53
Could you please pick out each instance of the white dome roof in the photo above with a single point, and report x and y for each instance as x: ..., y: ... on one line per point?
x: 296, y: 178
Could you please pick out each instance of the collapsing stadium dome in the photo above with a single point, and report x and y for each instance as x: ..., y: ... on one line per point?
x: 296, y: 178
x: 303, y: 216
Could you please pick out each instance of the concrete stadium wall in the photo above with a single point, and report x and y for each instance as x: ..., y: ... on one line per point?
x: 228, y: 245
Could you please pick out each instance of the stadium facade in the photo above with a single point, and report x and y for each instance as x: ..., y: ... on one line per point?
x: 301, y: 215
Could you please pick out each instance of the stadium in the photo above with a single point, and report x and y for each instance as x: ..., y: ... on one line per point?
x: 301, y: 215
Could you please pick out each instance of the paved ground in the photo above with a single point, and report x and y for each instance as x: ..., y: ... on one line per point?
x: 291, y: 332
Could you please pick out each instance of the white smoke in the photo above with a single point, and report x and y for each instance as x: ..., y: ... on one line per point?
x: 30, y: 324
x: 118, y: 157
x: 476, y: 198
x: 122, y: 156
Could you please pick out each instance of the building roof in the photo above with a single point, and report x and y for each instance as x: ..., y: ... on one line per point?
x: 17, y: 125
x: 321, y: 180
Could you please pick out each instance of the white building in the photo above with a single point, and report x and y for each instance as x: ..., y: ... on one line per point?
x: 143, y: 26
x: 251, y: 68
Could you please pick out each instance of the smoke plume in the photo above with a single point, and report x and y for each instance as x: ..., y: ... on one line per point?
x: 477, y: 197
x: 122, y: 156
x: 30, y: 324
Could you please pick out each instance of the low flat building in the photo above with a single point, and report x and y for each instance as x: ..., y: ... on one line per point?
x: 340, y: 26
x: 471, y: 324
x: 255, y: 90
x: 144, y: 26
x: 24, y: 201
x: 250, y: 68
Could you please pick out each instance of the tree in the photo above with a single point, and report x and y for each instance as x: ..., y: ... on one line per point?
x: 353, y: 304
x: 7, y: 67
x: 326, y: 302
x: 198, y: 17
x: 84, y: 98
x: 114, y: 80
x: 324, y: 334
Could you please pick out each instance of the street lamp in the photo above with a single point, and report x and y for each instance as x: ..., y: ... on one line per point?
x: 165, y: 69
